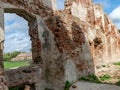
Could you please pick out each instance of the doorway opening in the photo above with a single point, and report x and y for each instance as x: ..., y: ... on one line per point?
x: 17, y: 43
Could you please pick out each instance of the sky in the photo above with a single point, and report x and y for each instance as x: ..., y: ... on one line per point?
x: 16, y: 34
x: 16, y: 28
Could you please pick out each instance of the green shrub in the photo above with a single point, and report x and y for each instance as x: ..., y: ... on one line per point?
x: 118, y: 83
x: 67, y: 85
x: 91, y: 78
x: 105, y: 77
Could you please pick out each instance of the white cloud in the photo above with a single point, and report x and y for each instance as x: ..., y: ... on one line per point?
x: 115, y: 16
x: 16, y: 34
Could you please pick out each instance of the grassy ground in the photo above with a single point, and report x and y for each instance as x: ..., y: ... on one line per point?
x: 15, y: 64
x: 117, y: 64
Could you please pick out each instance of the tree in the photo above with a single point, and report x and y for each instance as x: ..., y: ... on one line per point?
x: 8, y: 56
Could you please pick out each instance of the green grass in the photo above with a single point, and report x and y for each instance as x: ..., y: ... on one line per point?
x: 105, y: 77
x: 95, y: 79
x: 15, y: 64
x: 118, y: 63
x: 91, y: 78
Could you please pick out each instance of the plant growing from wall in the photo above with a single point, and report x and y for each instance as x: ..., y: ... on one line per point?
x: 67, y: 85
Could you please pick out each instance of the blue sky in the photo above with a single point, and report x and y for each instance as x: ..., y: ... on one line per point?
x: 16, y: 28
x: 16, y: 33
x: 108, y: 5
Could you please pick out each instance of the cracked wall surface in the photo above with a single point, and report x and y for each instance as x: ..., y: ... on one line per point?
x: 66, y: 44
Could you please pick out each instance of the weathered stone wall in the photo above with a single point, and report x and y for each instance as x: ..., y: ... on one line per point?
x: 65, y: 44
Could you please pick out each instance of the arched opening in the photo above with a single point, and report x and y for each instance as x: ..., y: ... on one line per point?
x: 38, y: 31
x: 17, y: 43
x: 31, y: 32
x: 26, y: 40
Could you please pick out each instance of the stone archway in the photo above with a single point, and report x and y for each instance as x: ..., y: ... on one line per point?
x: 36, y: 45
x: 33, y: 32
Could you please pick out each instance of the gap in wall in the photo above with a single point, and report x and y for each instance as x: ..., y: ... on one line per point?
x: 17, y: 44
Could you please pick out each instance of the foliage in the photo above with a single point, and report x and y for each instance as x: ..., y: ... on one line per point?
x: 105, y: 77
x: 91, y: 78
x: 118, y: 83
x: 67, y: 85
x: 8, y: 56
x: 118, y: 63
x: 9, y: 64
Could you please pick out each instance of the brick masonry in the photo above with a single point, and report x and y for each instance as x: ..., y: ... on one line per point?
x: 66, y: 44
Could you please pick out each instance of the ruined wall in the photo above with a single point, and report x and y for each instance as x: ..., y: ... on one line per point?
x: 32, y: 11
x: 65, y: 44
x: 102, y: 35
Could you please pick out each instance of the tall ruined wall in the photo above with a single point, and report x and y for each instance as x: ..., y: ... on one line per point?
x: 102, y: 35
x: 65, y: 44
